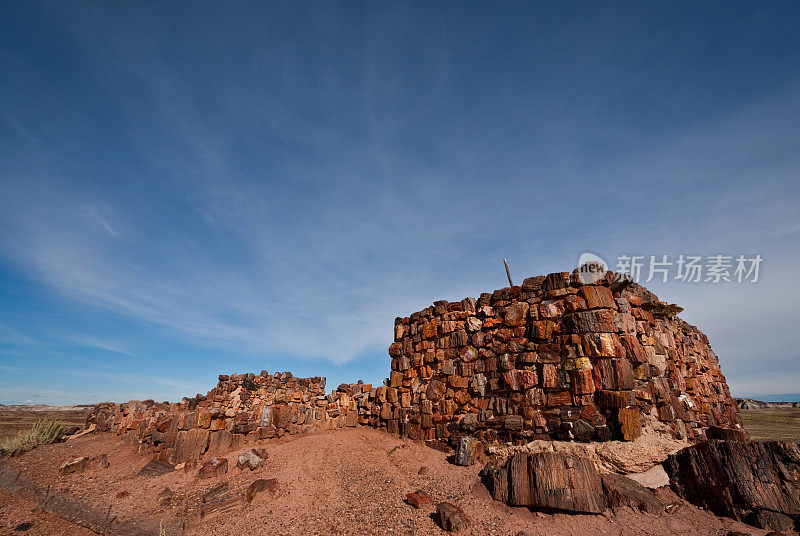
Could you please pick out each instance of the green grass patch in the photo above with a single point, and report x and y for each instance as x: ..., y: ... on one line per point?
x: 43, y: 432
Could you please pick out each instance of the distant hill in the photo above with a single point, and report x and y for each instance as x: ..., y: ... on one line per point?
x: 750, y: 403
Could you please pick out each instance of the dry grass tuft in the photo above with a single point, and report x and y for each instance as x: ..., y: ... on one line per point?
x: 43, y: 432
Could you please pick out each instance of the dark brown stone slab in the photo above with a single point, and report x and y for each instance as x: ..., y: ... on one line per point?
x: 156, y: 468
x: 621, y: 491
x: 565, y: 482
x: 739, y: 480
x: 547, y: 480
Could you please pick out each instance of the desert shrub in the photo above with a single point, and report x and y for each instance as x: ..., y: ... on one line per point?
x: 43, y: 432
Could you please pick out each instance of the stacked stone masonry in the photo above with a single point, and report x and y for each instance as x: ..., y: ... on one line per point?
x: 554, y: 358
x: 241, y: 408
x: 551, y: 359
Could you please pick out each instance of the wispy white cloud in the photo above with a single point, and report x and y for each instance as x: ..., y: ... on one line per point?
x: 103, y: 344
x: 300, y: 212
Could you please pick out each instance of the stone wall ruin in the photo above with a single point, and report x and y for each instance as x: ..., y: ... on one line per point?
x: 551, y: 359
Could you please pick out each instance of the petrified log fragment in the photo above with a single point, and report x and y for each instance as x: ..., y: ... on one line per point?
x: 213, y: 467
x: 630, y: 426
x: 565, y: 482
x: 718, y: 432
x: 220, y: 499
x: 418, y: 499
x: 190, y: 445
x: 740, y: 480
x: 547, y: 480
x: 466, y: 451
x: 451, y: 517
x: 519, y: 482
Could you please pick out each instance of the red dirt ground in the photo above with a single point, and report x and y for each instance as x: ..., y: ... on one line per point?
x: 351, y: 481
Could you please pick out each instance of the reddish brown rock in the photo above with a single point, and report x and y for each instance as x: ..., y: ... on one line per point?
x: 270, y: 486
x: 213, y: 467
x: 466, y: 451
x: 220, y: 499
x: 517, y: 314
x: 622, y: 492
x: 73, y: 465
x: 418, y: 499
x: 598, y: 296
x: 252, y: 459
x: 451, y: 518
x: 630, y: 424
x: 190, y: 445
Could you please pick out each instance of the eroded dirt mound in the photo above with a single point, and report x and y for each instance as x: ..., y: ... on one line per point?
x: 351, y: 481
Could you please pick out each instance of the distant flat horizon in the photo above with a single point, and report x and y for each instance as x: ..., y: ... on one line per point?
x: 792, y: 397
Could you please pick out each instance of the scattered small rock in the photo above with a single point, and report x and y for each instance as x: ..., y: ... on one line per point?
x: 73, y: 465
x: 165, y: 497
x: 252, y: 459
x: 269, y: 485
x: 673, y: 507
x: 122, y: 494
x: 423, y: 470
x: 418, y: 499
x: 213, y: 467
x: 220, y: 499
x: 99, y: 462
x: 395, y: 449
x: 22, y: 527
x: 451, y: 517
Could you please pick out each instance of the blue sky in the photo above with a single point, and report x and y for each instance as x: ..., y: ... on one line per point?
x: 188, y: 189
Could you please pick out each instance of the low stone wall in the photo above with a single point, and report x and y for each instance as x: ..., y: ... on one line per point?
x: 242, y: 407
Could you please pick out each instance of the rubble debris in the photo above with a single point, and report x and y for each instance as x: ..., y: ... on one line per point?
x: 252, y: 459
